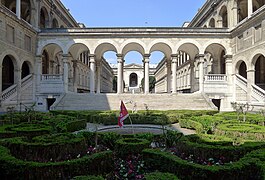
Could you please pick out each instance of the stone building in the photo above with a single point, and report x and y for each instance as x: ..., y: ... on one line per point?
x: 50, y: 60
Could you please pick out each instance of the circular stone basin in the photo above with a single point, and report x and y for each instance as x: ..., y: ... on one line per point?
x: 128, y: 129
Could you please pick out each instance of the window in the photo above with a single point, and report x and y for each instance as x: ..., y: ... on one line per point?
x: 27, y: 44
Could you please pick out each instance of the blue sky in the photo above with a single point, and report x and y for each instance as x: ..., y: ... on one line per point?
x: 133, y: 13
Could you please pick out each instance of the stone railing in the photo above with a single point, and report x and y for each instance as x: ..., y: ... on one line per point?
x: 9, y: 91
x: 241, y: 82
x: 26, y: 80
x: 52, y: 77
x: 258, y: 92
x: 215, y: 77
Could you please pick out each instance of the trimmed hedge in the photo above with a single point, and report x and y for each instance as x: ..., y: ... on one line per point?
x: 166, y: 162
x: 95, y: 164
x: 88, y: 178
x: 247, y: 131
x: 190, y: 145
x: 189, y: 124
x: 127, y: 146
x: 51, y: 148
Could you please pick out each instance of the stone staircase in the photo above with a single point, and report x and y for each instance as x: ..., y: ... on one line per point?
x: 82, y: 101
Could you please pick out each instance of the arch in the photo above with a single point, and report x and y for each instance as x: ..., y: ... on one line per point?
x: 76, y: 49
x: 211, y: 23
x: 254, y: 56
x: 44, y: 18
x: 162, y: 47
x: 190, y: 48
x: 216, y: 52
x: 8, y: 71
x: 104, y: 47
x: 55, y: 23
x: 26, y: 69
x: 241, y: 68
x: 133, y: 80
x: 259, y: 71
x: 242, y: 9
x: 133, y: 45
x: 223, y: 15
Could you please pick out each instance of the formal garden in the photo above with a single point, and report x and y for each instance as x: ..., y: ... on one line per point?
x: 37, y: 145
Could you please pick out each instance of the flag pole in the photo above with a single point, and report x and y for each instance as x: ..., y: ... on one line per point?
x: 131, y: 124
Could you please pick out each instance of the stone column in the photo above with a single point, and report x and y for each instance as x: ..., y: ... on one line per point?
x: 38, y: 72
x: 168, y: 66
x: 146, y: 73
x: 18, y: 78
x: 250, y: 81
x: 174, y: 72
x: 75, y: 75
x: 92, y: 73
x: 120, y: 72
x: 65, y: 72
x: 201, y: 71
x: 234, y: 14
x: 1, y: 71
x: 18, y: 8
x: 250, y: 8
x: 98, y: 77
x: 192, y: 76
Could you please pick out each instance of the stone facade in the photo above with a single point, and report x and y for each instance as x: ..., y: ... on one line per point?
x: 46, y: 54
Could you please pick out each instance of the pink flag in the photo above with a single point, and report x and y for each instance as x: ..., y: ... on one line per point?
x: 123, y: 114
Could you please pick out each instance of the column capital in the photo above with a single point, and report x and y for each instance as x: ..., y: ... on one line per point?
x: 228, y: 56
x: 147, y: 56
x: 91, y: 56
x: 174, y: 56
x: 119, y: 56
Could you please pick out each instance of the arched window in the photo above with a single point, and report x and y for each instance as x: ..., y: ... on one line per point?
x: 55, y: 23
x: 44, y: 18
x: 133, y: 80
x: 243, y: 69
x: 223, y: 14
x: 212, y: 23
x: 7, y: 73
x: 242, y: 9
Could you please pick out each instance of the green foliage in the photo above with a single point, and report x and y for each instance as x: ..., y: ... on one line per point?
x: 166, y: 162
x: 47, y: 148
x: 127, y: 146
x: 160, y: 176
x: 171, y: 137
x: 185, y: 123
x: 152, y: 82
x: 95, y: 164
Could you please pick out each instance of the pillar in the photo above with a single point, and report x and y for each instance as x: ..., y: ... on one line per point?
x: 75, y: 78
x: 168, y: 66
x: 250, y: 8
x: 201, y: 71
x: 65, y: 72
x: 232, y: 14
x: 18, y: 78
x: 18, y: 8
x: 120, y: 72
x: 250, y: 81
x: 146, y: 73
x: 174, y: 72
x: 38, y: 73
x: 98, y: 77
x: 1, y: 70
x: 92, y: 73
x: 192, y: 76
